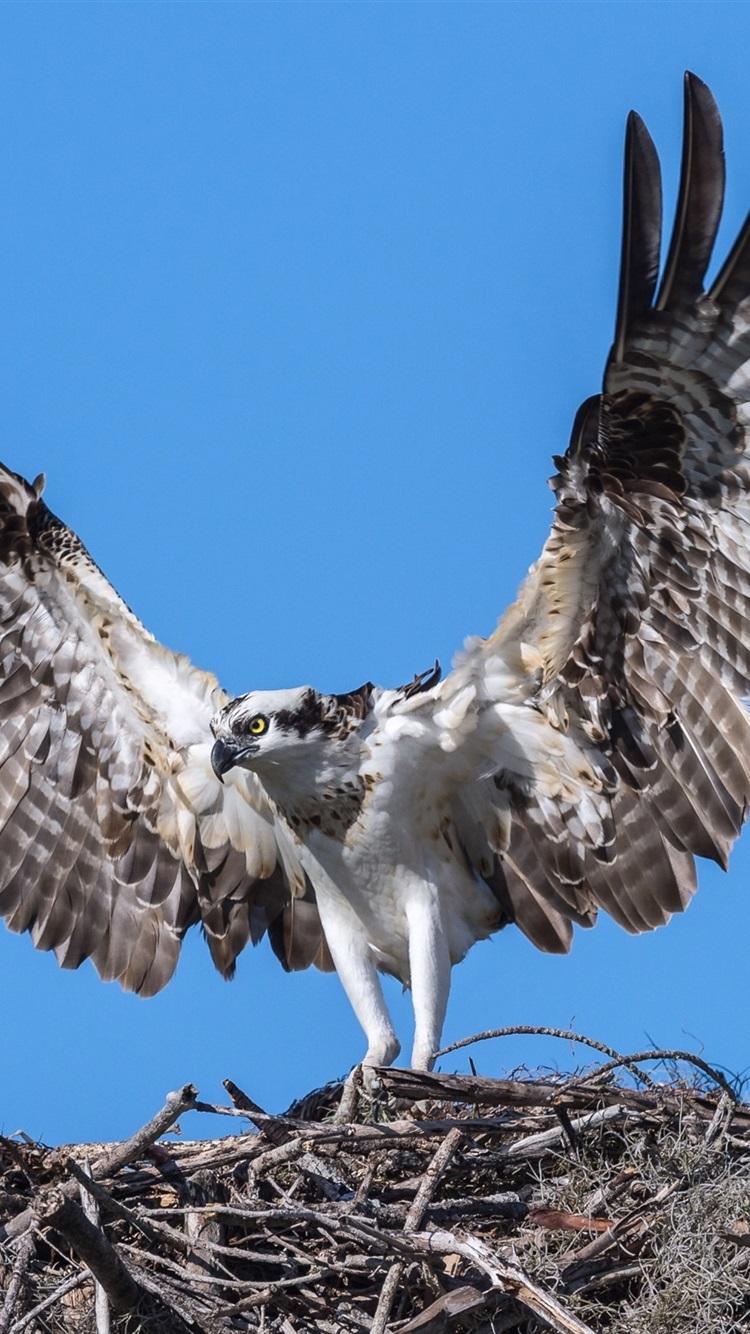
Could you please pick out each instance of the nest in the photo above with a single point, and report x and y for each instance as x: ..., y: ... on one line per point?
x: 422, y: 1203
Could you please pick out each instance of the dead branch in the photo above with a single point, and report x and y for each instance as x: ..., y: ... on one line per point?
x: 18, y: 1274
x: 120, y: 1156
x: 101, y: 1302
x: 566, y: 1034
x: 414, y: 1220
x: 69, y: 1285
x: 438, y: 1203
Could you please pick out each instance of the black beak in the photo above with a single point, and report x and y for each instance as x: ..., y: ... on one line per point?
x: 226, y: 754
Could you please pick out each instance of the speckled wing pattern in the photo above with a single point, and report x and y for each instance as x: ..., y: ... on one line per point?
x: 115, y: 835
x: 624, y: 663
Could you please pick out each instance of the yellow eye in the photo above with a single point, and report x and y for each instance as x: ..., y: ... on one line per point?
x: 257, y: 725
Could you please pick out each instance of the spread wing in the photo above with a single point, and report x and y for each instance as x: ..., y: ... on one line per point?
x: 606, y: 713
x: 115, y: 835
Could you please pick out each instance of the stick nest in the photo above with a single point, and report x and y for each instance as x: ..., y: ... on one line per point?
x: 424, y: 1203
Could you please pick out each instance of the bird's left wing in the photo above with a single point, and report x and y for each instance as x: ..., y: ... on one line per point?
x: 605, y: 717
x: 115, y: 834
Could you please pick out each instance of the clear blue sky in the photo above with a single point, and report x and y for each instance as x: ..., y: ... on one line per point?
x: 297, y: 303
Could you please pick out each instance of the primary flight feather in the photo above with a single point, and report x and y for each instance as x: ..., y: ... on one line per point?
x: 579, y: 758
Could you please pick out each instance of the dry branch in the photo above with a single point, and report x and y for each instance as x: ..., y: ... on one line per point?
x: 91, y: 1210
x: 413, y: 1221
x: 127, y: 1152
x: 100, y: 1257
x: 575, y: 1204
x: 18, y: 1274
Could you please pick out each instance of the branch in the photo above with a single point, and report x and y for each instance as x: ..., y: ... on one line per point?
x: 101, y: 1303
x: 507, y: 1276
x: 20, y: 1265
x: 418, y: 1085
x: 75, y: 1281
x: 666, y: 1055
x: 539, y: 1030
x: 97, y: 1253
x: 413, y: 1223
x: 130, y: 1149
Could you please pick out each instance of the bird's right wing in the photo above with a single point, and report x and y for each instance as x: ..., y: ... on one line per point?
x: 115, y: 835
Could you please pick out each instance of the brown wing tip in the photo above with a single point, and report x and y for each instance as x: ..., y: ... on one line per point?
x: 697, y: 88
x: 641, y: 229
x: 697, y: 216
x: 700, y: 199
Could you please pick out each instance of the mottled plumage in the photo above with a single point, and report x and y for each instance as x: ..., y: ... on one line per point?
x: 115, y: 834
x: 579, y: 758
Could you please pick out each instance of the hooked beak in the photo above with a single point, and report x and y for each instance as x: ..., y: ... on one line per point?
x: 225, y: 754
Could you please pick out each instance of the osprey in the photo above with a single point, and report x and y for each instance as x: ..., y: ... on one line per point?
x: 579, y: 758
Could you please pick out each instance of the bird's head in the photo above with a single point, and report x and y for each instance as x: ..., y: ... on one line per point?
x: 268, y: 729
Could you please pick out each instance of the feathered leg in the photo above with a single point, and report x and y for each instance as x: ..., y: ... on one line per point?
x: 430, y: 967
x: 356, y: 968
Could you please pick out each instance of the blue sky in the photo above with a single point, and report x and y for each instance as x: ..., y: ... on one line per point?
x: 297, y: 303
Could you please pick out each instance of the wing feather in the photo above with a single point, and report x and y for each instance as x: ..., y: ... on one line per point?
x: 631, y: 635
x: 641, y: 233
x: 733, y: 278
x: 700, y: 199
x: 115, y: 835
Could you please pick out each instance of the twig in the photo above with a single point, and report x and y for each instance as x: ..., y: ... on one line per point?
x: 130, y: 1149
x: 114, y: 1208
x: 620, y: 1274
x: 185, y: 1313
x: 70, y: 1284
x: 90, y: 1209
x: 214, y: 1109
x: 664, y: 1055
x: 97, y: 1253
x: 347, y: 1108
x: 720, y: 1121
x: 266, y: 1294
x: 282, y: 1153
x: 413, y: 1223
x: 275, y: 1128
x: 458, y: 1302
x: 539, y: 1030
x: 176, y: 1104
x: 622, y: 1228
x: 507, y: 1276
x: 20, y: 1265
x: 547, y: 1139
x: 159, y: 1232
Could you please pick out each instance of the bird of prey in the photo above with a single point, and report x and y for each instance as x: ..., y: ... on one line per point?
x: 579, y: 758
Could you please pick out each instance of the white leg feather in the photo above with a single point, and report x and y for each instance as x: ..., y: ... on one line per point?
x: 356, y: 968
x: 430, y: 967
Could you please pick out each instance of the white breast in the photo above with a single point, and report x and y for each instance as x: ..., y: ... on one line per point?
x: 384, y: 865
